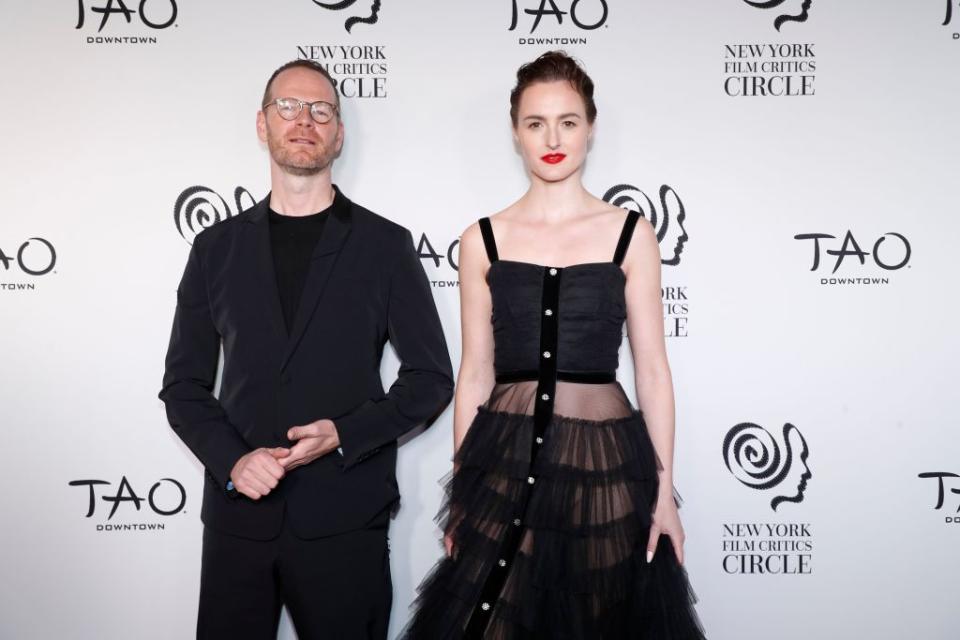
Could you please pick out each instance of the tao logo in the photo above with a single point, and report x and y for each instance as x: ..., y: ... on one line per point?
x: 43, y: 267
x: 941, y: 492
x: 425, y: 251
x: 125, y: 493
x: 118, y: 6
x: 851, y: 248
x: 550, y: 8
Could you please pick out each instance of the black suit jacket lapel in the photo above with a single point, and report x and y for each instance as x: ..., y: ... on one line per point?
x: 264, y: 280
x: 335, y: 232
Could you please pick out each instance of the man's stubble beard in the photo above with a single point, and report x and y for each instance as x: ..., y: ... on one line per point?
x: 285, y: 159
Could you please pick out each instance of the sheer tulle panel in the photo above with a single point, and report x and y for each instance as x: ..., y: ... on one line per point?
x: 580, y: 570
x: 596, y: 479
x: 572, y: 399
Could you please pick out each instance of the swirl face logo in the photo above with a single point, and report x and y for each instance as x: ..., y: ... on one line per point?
x: 754, y: 458
x: 778, y: 22
x: 346, y: 4
x: 668, y: 225
x: 198, y: 208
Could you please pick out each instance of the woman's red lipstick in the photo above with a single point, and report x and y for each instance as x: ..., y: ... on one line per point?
x: 553, y: 158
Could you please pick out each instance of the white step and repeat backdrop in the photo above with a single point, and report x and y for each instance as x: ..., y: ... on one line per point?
x: 797, y: 158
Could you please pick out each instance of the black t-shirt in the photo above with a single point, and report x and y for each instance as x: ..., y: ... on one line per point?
x: 292, y: 240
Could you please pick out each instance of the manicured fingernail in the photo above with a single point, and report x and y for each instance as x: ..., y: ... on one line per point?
x: 649, y: 556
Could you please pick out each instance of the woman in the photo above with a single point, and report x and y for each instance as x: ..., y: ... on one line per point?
x: 561, y: 505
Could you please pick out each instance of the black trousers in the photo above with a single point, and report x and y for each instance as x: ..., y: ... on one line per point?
x: 337, y: 587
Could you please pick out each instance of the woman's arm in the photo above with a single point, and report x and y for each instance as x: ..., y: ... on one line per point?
x: 475, y: 379
x: 652, y: 373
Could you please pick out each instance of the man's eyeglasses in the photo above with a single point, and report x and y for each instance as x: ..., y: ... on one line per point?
x: 289, y: 109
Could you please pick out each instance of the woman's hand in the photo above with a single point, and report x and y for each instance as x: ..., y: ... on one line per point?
x: 666, y: 521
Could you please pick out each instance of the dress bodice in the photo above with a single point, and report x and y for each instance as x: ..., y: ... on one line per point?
x: 589, y: 316
x: 570, y: 318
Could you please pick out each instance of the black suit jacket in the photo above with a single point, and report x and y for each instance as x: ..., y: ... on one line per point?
x: 365, y: 285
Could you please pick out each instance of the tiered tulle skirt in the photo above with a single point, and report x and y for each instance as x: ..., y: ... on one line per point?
x: 581, y: 569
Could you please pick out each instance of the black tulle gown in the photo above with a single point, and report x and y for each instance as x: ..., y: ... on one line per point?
x: 551, y: 505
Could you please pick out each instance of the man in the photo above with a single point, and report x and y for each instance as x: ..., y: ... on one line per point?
x: 301, y: 292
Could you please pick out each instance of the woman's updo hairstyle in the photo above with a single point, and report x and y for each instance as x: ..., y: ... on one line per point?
x: 550, y: 67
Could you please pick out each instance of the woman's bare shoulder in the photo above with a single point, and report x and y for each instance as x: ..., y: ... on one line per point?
x: 506, y: 215
x: 608, y: 210
x: 473, y: 233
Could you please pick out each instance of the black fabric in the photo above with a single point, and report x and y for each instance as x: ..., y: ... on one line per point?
x: 486, y: 231
x: 625, y: 236
x: 578, y: 492
x: 334, y: 587
x: 590, y: 327
x: 510, y: 541
x: 365, y: 285
x: 586, y: 377
x: 292, y: 242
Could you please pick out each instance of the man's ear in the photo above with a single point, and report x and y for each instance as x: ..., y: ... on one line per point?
x: 261, y: 126
x: 340, y: 134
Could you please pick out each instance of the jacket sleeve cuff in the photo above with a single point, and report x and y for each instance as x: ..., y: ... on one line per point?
x: 358, y: 433
x: 221, y: 467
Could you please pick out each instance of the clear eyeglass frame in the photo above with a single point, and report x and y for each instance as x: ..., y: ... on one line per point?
x: 321, y: 111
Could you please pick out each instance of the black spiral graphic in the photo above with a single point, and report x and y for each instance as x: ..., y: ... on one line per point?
x: 629, y: 197
x: 804, y: 14
x: 199, y: 208
x: 238, y: 195
x: 371, y: 19
x: 344, y: 4
x: 764, y: 4
x: 753, y: 456
x: 778, y: 22
x: 335, y: 6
